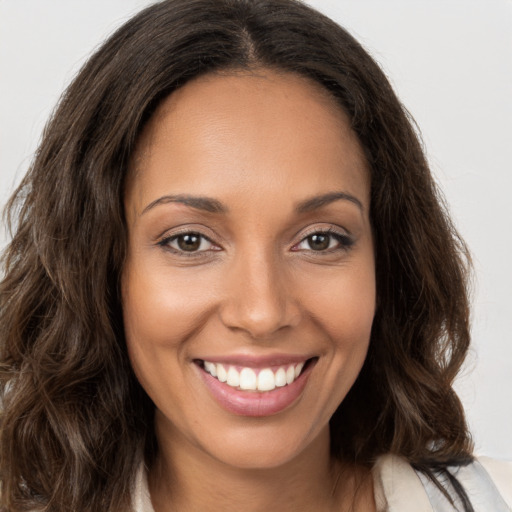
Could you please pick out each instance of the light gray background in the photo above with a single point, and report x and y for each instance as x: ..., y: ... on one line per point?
x: 451, y: 64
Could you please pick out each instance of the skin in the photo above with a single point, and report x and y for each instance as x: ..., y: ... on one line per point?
x: 259, y: 143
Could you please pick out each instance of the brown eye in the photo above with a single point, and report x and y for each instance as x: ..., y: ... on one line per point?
x: 189, y: 242
x: 325, y: 241
x: 319, y: 241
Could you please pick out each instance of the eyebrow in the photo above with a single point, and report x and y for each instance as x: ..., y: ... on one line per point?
x: 207, y: 204
x: 316, y: 202
x: 211, y: 205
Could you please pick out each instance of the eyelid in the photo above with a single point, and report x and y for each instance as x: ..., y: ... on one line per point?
x: 325, y: 228
x: 183, y: 229
x: 171, y: 235
x: 346, y: 237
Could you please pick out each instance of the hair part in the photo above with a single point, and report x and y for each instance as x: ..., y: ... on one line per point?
x: 75, y: 422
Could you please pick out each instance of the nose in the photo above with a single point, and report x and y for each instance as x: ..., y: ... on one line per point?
x: 259, y: 298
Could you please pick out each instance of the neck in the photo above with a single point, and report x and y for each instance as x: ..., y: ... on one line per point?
x: 186, y: 478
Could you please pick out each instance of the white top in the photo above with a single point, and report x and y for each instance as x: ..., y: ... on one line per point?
x: 487, y: 482
x: 399, y: 488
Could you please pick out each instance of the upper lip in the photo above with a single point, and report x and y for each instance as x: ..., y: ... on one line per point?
x: 257, y: 361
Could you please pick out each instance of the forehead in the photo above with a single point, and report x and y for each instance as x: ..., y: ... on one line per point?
x: 225, y: 133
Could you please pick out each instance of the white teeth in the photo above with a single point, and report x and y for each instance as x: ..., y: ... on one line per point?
x: 266, y: 380
x: 211, y: 368
x: 280, y: 378
x: 290, y: 375
x: 222, y: 375
x: 249, y: 379
x: 233, y: 378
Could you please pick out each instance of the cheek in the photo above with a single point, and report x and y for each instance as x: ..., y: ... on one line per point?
x: 342, y: 306
x: 159, y: 309
x: 344, y: 301
x: 161, y: 316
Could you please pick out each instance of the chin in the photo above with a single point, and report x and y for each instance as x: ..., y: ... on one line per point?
x: 270, y: 444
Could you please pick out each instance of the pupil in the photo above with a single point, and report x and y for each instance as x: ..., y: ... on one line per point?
x: 319, y: 242
x: 189, y: 242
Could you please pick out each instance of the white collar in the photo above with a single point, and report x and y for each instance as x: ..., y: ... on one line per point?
x: 141, y: 498
x: 397, y: 485
x: 393, y: 479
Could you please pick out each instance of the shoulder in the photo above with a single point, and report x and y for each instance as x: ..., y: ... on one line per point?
x: 500, y: 472
x: 488, y: 483
x: 397, y: 485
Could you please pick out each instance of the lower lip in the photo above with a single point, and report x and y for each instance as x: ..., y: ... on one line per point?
x: 254, y: 403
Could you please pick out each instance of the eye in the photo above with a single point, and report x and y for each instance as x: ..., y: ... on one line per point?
x: 324, y: 241
x: 189, y: 242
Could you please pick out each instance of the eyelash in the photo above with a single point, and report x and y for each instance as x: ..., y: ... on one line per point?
x: 345, y: 242
x: 165, y: 243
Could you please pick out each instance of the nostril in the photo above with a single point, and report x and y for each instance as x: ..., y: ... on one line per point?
x: 256, y: 298
x: 261, y: 321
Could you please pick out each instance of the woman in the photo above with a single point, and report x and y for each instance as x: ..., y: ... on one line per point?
x: 232, y: 283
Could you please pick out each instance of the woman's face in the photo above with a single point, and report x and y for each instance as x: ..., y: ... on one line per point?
x: 249, y: 287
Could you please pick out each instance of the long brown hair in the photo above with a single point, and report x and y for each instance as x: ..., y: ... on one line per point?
x: 75, y: 422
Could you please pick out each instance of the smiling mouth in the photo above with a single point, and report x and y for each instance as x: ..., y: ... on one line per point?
x: 255, y: 379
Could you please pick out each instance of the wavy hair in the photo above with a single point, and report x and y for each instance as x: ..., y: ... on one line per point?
x: 75, y: 422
